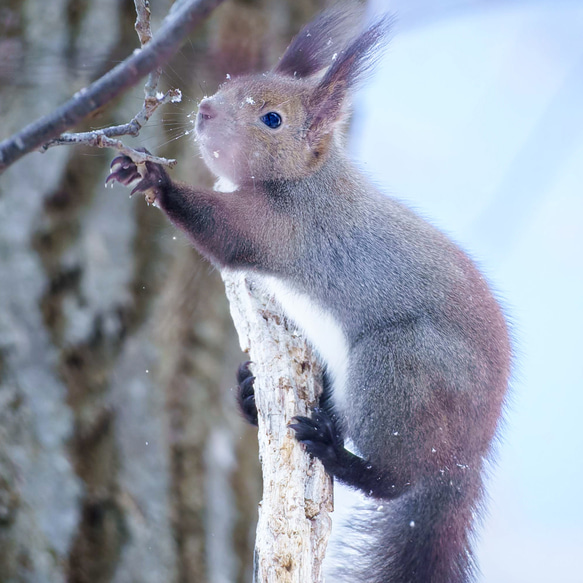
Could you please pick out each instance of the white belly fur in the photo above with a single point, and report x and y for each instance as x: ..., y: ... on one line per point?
x: 319, y: 328
x: 325, y: 335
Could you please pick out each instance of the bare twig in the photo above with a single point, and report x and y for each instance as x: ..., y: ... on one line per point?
x: 184, y: 16
x: 98, y: 140
x: 102, y: 138
x: 144, y: 31
x: 142, y: 25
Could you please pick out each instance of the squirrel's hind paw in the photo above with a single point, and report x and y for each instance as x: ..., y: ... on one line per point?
x: 319, y: 436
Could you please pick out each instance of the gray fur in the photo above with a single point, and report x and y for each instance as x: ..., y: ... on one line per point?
x: 428, y: 354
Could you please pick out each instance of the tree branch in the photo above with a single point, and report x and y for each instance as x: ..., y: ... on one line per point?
x: 144, y: 31
x: 294, y: 522
x: 102, y: 138
x: 152, y: 100
x: 184, y: 16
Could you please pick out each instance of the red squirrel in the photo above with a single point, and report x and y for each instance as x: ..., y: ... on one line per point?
x: 415, y: 346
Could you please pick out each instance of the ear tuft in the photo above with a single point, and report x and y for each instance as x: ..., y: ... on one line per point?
x: 327, y: 102
x: 312, y: 49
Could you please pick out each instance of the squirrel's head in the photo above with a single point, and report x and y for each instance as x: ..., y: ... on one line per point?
x: 282, y: 124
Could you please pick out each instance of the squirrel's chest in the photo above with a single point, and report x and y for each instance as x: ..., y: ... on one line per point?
x: 319, y: 327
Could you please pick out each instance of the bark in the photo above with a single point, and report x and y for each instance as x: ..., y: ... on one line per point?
x: 122, y: 456
x: 294, y: 518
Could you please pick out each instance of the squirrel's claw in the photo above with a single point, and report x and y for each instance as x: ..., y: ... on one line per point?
x: 142, y: 186
x: 123, y: 170
x: 151, y: 182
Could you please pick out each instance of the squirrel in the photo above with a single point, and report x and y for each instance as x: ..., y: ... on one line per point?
x: 415, y: 346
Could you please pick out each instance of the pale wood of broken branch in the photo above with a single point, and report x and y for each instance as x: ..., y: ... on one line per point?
x: 294, y: 517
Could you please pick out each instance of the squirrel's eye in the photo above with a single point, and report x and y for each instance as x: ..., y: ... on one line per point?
x: 271, y: 120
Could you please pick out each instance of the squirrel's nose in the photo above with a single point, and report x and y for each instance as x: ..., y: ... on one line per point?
x: 206, y: 110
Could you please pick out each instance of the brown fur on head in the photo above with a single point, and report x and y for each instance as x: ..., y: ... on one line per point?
x: 235, y: 139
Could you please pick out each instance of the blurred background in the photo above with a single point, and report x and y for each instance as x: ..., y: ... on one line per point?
x: 122, y: 457
x: 475, y: 118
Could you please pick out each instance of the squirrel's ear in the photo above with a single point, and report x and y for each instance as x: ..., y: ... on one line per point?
x: 328, y: 101
x: 312, y: 48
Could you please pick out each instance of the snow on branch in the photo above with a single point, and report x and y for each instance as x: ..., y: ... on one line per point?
x: 47, y: 131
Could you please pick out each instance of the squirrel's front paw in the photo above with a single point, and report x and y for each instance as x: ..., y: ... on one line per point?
x: 152, y: 177
x: 246, y: 394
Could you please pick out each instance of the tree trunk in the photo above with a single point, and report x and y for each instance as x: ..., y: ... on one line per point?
x: 294, y: 522
x: 122, y: 457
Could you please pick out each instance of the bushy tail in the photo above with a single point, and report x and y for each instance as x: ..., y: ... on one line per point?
x: 424, y: 536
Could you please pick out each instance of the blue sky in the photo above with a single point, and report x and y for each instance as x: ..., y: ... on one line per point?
x: 476, y: 120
